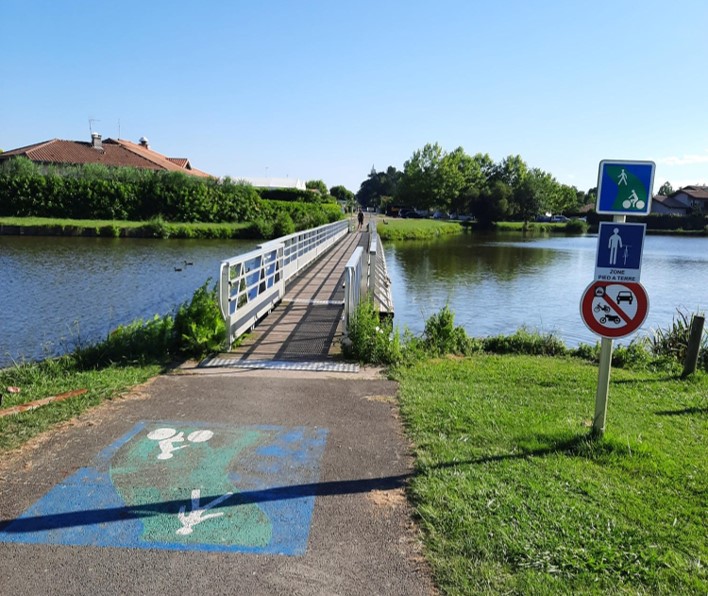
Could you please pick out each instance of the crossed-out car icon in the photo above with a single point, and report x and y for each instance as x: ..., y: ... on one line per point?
x: 625, y: 296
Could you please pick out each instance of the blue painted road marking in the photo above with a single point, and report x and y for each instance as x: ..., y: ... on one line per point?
x: 186, y: 486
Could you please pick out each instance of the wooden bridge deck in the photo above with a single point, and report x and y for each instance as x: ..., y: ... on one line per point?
x: 303, y: 332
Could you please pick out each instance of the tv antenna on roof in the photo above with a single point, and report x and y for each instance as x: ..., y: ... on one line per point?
x: 91, y: 121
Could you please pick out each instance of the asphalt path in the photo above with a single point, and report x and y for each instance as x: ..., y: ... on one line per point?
x: 336, y: 451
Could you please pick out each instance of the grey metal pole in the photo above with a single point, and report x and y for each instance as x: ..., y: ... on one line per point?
x: 603, y: 387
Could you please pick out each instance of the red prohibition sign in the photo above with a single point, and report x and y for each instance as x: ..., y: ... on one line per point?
x: 614, y: 309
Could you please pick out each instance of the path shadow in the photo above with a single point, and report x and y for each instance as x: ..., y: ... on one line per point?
x: 90, y: 517
x: 683, y: 412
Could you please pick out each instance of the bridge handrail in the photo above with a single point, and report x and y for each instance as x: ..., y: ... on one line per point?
x: 365, y: 275
x: 354, y: 284
x: 251, y: 284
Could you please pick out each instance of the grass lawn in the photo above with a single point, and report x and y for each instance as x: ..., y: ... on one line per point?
x: 53, y: 377
x: 116, y: 228
x: 513, y: 496
x: 415, y: 229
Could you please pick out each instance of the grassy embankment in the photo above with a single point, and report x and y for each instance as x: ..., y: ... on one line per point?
x: 420, y: 229
x: 156, y: 228
x: 514, y: 497
x: 415, y: 229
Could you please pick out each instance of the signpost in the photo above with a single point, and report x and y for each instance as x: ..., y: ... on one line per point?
x: 616, y: 304
x: 625, y: 187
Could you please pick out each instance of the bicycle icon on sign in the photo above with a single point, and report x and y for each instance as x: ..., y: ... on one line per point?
x: 633, y: 202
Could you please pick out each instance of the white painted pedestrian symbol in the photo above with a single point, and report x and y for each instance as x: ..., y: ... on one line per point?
x: 167, y: 437
x: 198, y: 513
x: 614, y: 243
x: 622, y: 178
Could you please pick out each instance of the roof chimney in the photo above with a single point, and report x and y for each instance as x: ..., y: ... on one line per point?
x: 144, y: 142
x: 96, y: 141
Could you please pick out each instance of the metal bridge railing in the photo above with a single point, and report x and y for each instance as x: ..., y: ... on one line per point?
x: 250, y: 285
x: 366, y: 276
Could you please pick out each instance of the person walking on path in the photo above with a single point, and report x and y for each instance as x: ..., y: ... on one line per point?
x: 360, y: 219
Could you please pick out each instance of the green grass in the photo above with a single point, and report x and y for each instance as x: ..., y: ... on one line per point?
x: 52, y: 377
x: 415, y: 229
x: 121, y: 228
x: 541, y: 227
x: 514, y: 497
x: 81, y: 223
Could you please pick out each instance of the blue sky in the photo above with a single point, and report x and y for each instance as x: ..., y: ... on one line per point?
x: 323, y: 89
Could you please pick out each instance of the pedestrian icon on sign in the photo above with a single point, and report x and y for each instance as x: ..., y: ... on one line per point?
x: 614, y: 243
x: 622, y: 178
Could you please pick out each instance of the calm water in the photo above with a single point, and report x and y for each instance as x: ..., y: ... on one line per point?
x: 59, y: 291
x: 498, y: 283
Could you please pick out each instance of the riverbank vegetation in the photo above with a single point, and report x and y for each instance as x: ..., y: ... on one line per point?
x: 163, y: 203
x: 130, y: 355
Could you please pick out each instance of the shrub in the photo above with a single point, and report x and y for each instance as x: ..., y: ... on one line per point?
x: 156, y: 228
x: 284, y: 225
x: 372, y: 340
x: 262, y: 228
x: 671, y: 343
x: 576, y: 226
x: 524, y: 341
x: 137, y: 342
x: 635, y: 355
x: 199, y: 326
x: 441, y: 337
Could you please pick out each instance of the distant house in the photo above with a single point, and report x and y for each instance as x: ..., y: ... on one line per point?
x: 692, y: 197
x: 276, y: 183
x: 664, y: 205
x: 111, y: 152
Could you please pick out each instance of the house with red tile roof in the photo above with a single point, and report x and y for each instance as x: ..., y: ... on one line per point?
x: 110, y: 152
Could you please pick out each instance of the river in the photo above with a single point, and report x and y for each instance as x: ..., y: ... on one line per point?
x: 61, y: 292
x: 498, y: 282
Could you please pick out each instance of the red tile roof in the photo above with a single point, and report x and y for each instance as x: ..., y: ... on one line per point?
x: 116, y: 153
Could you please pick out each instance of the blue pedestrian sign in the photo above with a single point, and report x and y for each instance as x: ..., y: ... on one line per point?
x: 619, y: 252
x: 625, y: 187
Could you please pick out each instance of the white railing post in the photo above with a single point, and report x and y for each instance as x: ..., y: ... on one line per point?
x: 353, y: 281
x: 373, y: 257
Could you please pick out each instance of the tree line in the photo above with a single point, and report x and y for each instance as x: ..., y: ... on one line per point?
x: 456, y: 182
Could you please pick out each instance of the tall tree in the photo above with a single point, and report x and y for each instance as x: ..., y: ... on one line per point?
x: 492, y: 204
x: 377, y: 186
x: 317, y: 185
x: 666, y: 189
x: 421, y: 184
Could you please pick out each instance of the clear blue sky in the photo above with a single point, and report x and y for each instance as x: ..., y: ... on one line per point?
x: 323, y: 89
